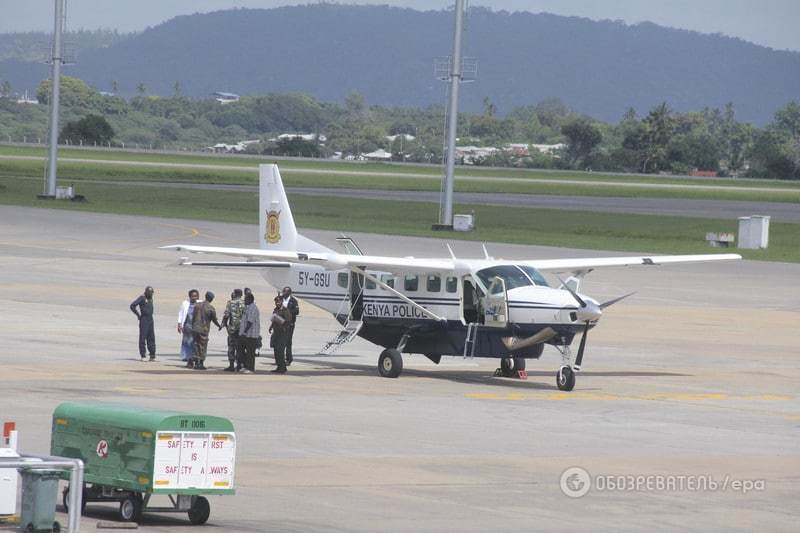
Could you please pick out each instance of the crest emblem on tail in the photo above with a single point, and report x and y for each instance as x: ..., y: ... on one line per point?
x: 273, y: 233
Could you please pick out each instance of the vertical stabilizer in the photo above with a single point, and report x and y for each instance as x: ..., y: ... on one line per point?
x: 276, y: 229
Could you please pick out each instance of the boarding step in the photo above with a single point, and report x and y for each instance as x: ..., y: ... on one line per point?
x: 469, y: 341
x: 351, y: 329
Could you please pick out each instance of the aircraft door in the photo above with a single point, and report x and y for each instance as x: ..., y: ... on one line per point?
x: 356, y: 296
x: 495, y: 304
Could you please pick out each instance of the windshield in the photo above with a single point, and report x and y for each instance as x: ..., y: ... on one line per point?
x: 512, y: 276
x: 535, y: 275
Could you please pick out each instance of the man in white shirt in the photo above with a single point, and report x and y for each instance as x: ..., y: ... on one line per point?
x: 185, y: 325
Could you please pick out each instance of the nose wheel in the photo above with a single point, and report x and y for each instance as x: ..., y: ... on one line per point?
x: 565, y: 378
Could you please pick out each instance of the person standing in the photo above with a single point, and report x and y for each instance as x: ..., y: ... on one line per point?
x: 231, y: 320
x: 185, y: 325
x: 280, y: 321
x: 147, y: 332
x: 290, y: 303
x: 249, y: 333
x: 203, y: 316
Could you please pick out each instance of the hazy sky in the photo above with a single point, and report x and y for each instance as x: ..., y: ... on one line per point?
x: 771, y: 23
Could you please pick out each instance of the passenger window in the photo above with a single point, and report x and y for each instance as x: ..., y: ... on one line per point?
x: 451, y: 284
x: 434, y: 284
x: 411, y: 283
x: 370, y: 285
x: 388, y: 279
x: 342, y: 279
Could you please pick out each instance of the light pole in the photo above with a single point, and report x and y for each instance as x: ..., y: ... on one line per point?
x: 56, y: 60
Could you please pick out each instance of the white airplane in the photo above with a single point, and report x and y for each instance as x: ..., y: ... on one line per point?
x: 444, y: 306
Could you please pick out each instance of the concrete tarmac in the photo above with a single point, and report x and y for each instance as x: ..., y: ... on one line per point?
x: 694, y: 379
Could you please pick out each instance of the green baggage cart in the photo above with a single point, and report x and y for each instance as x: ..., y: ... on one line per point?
x: 131, y: 454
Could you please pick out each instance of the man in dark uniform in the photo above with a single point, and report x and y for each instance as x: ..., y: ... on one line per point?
x: 290, y: 303
x: 204, y: 315
x: 147, y: 332
x: 279, y: 325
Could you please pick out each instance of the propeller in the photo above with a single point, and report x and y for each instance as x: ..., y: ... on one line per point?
x: 587, y: 312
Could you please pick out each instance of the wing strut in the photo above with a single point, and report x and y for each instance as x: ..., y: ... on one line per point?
x: 400, y: 295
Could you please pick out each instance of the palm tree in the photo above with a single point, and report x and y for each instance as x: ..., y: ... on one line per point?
x: 141, y: 88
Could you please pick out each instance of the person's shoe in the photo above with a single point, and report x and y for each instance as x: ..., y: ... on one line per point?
x: 279, y: 371
x: 200, y: 366
x: 230, y: 368
x: 143, y: 359
x: 152, y: 358
x: 289, y: 361
x: 245, y: 371
x: 190, y: 364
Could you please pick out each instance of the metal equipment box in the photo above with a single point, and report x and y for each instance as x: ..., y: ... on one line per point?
x: 128, y: 451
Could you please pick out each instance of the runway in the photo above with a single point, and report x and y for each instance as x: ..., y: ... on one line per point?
x: 696, y: 375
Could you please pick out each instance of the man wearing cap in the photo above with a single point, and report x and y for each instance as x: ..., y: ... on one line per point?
x: 142, y: 307
x: 202, y: 318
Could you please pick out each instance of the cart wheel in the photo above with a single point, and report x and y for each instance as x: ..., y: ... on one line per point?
x: 56, y: 527
x: 65, y: 499
x: 200, y: 511
x: 30, y: 529
x: 130, y: 509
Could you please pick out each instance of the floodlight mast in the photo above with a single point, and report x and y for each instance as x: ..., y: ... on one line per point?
x: 56, y: 59
x: 446, y: 200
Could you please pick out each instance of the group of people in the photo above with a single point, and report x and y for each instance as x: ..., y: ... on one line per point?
x: 241, y: 320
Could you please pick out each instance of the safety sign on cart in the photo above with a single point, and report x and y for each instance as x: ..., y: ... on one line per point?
x: 194, y: 460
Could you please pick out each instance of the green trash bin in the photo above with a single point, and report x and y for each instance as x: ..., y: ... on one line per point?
x: 39, y: 494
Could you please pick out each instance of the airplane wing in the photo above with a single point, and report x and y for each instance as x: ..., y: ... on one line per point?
x: 325, y: 259
x: 596, y: 262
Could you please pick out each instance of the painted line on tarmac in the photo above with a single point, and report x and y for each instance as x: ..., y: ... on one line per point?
x: 599, y: 396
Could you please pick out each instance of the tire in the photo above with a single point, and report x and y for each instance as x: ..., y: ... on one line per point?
x: 65, y: 499
x: 390, y: 363
x: 507, y: 367
x: 130, y: 509
x: 565, y: 379
x: 56, y: 527
x: 200, y: 511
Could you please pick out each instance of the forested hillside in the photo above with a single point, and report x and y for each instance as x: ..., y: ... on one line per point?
x: 329, y: 51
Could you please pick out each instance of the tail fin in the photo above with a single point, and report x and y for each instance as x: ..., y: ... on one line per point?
x: 276, y: 224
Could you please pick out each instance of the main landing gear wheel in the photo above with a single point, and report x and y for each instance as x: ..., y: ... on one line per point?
x: 130, y: 509
x: 509, y: 367
x: 565, y: 378
x: 200, y: 511
x: 390, y: 363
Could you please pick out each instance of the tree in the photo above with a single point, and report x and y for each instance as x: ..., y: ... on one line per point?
x: 582, y: 137
x: 74, y: 92
x: 294, y: 146
x: 141, y: 88
x: 176, y: 89
x: 114, y: 86
x: 90, y: 129
x: 5, y: 89
x: 787, y: 119
x: 489, y: 109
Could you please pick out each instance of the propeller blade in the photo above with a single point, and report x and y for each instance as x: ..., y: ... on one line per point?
x: 582, y: 346
x: 615, y: 300
x: 573, y: 293
x: 515, y: 343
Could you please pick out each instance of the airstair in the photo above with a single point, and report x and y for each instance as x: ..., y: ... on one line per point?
x: 469, y: 342
x: 345, y: 335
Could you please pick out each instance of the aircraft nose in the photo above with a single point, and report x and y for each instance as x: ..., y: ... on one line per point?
x: 589, y: 312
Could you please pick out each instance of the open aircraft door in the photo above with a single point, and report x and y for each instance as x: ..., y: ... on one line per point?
x: 495, y: 304
x: 356, y: 295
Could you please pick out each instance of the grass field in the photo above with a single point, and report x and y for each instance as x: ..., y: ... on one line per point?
x: 633, y: 233
x: 229, y: 170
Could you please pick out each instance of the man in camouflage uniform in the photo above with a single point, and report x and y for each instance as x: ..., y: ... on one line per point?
x: 234, y: 310
x: 202, y: 318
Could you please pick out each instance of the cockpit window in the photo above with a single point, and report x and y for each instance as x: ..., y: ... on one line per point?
x: 535, y: 275
x: 514, y: 276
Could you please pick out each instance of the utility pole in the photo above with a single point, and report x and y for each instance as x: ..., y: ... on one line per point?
x: 455, y: 75
x: 56, y: 59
